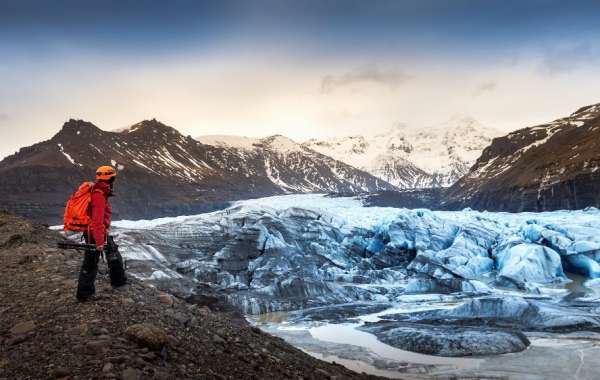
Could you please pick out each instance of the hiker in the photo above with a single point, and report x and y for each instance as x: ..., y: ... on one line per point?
x: 96, y: 234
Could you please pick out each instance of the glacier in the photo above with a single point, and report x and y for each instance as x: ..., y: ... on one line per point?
x: 298, y: 251
x: 411, y: 283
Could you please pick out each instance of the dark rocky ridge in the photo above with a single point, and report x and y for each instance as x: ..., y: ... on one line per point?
x: 163, y: 173
x: 133, y: 333
x: 546, y: 167
x: 417, y: 198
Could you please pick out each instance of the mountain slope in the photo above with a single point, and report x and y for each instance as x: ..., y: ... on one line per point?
x: 296, y: 168
x: 46, y: 334
x: 163, y: 172
x: 545, y: 167
x: 413, y: 158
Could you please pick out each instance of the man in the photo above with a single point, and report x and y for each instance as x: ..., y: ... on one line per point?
x: 97, y: 235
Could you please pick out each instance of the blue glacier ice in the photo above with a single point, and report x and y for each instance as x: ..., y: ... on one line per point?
x: 527, y: 262
x: 582, y: 264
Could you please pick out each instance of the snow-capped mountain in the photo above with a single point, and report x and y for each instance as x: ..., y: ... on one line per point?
x: 413, y: 158
x: 544, y: 167
x: 165, y: 173
x: 296, y: 168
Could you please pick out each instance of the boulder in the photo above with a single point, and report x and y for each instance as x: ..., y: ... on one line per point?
x: 60, y: 372
x: 23, y: 328
x: 166, y: 299
x: 96, y: 347
x: 147, y: 335
x: 130, y: 374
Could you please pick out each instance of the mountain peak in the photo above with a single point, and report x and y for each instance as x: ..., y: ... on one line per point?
x: 77, y: 128
x: 282, y: 143
x: 279, y: 138
x: 150, y: 126
x: 77, y: 124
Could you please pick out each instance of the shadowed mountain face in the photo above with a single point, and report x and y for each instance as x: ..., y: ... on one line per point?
x: 546, y: 167
x: 162, y: 172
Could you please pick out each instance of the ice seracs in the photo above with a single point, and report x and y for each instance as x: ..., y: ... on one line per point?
x: 298, y: 251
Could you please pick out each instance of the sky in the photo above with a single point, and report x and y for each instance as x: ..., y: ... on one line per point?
x: 304, y: 69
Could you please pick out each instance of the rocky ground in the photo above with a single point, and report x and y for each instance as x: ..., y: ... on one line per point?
x: 133, y: 333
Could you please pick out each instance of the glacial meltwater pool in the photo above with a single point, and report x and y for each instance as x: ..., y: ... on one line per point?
x: 550, y: 356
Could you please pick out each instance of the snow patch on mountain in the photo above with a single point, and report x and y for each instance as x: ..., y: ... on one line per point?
x: 67, y: 155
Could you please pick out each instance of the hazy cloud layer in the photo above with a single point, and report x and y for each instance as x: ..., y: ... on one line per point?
x: 485, y: 87
x: 363, y: 75
x: 566, y: 59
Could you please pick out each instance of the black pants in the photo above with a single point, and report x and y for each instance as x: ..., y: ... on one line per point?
x: 87, y: 275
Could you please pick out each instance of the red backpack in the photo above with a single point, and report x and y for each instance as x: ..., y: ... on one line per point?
x: 78, y: 213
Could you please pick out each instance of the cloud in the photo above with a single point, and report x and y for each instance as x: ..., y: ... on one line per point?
x: 364, y: 75
x: 565, y: 59
x: 484, y: 87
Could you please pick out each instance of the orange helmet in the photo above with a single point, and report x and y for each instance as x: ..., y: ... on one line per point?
x: 105, y: 173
